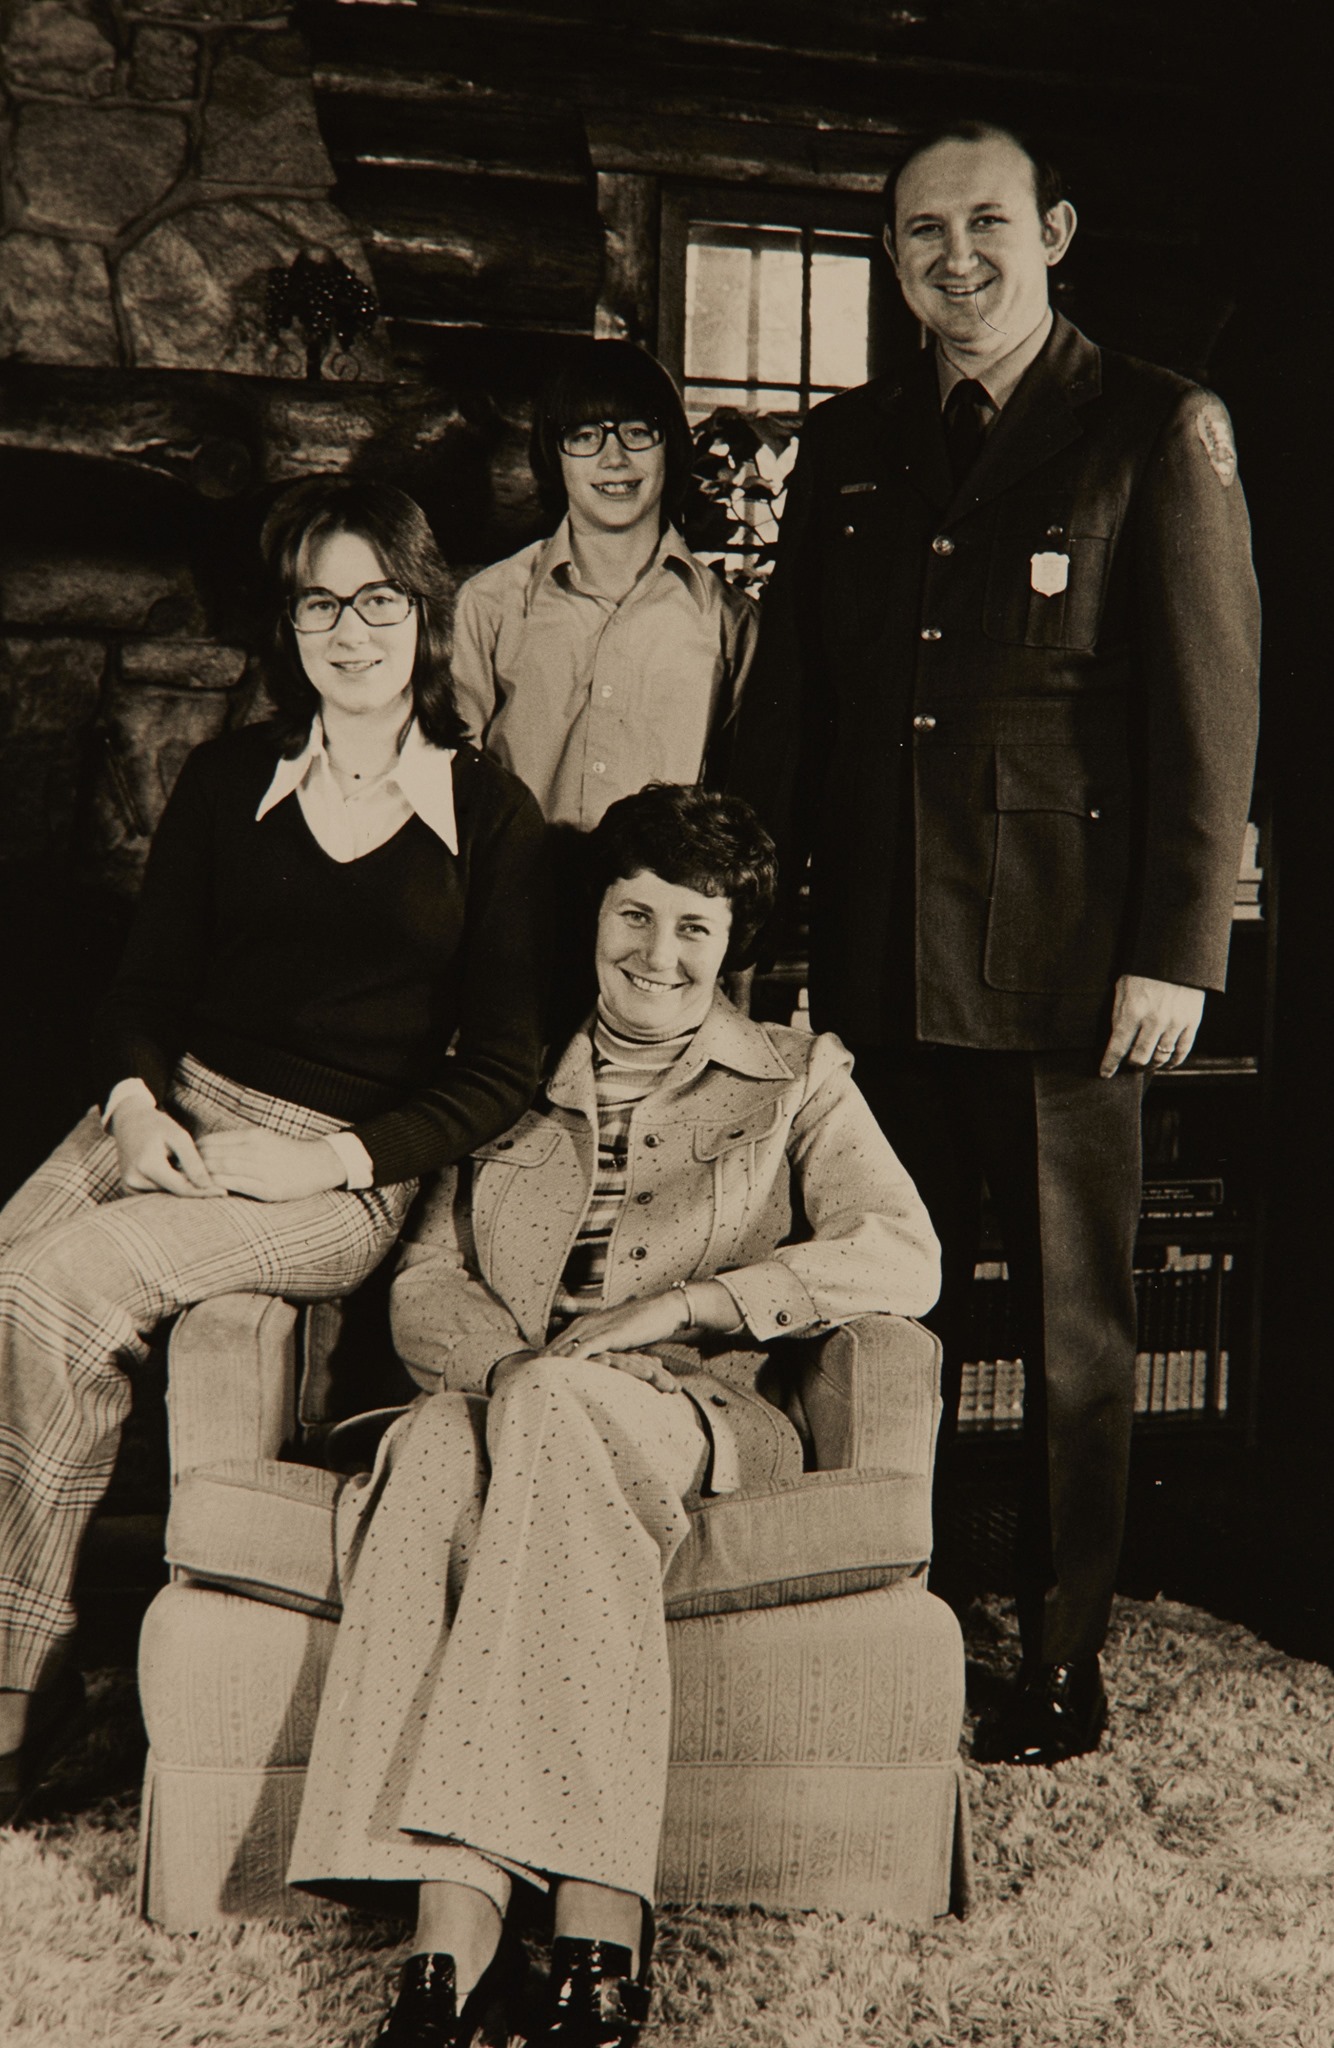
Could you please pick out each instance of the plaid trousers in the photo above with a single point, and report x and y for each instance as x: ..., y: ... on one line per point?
x: 87, y: 1272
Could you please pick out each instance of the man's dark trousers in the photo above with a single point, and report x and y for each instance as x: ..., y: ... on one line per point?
x: 1059, y: 1148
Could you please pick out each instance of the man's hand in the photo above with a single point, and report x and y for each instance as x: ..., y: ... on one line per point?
x: 157, y: 1155
x: 270, y: 1168
x: 1153, y: 1024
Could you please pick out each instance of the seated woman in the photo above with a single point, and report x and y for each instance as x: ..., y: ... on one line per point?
x: 331, y: 898
x: 690, y: 1188
x: 607, y: 656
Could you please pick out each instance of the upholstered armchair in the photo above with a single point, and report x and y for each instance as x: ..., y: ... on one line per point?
x: 818, y: 1685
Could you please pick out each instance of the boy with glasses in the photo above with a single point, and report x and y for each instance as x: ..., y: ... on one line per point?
x: 607, y: 656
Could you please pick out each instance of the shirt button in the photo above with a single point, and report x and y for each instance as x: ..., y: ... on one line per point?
x: 504, y: 1144
x: 924, y: 722
x: 718, y: 1400
x: 930, y: 632
x: 1095, y: 814
x: 645, y: 1197
x: 640, y: 1252
x: 781, y: 1316
x: 848, y: 532
x: 605, y: 691
x: 942, y: 545
x: 1055, y: 532
x: 599, y: 767
x: 652, y: 1139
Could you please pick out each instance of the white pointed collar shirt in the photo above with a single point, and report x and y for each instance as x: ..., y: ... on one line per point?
x: 349, y: 824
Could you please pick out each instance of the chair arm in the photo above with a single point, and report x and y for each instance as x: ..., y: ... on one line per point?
x: 871, y: 1396
x: 231, y: 1380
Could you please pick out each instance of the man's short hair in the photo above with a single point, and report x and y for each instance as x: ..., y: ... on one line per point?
x: 1048, y: 188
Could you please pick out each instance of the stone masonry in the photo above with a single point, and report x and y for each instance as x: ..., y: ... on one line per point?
x: 157, y: 159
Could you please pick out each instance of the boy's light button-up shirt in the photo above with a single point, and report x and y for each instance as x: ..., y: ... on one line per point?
x: 586, y: 700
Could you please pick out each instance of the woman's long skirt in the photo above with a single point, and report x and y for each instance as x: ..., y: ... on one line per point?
x: 499, y: 1698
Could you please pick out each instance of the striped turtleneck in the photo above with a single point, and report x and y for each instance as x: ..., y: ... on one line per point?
x: 625, y: 1071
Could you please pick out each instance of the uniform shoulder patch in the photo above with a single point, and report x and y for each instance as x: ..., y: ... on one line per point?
x: 1215, y: 430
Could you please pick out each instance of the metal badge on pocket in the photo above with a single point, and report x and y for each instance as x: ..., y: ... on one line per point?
x: 1049, y: 574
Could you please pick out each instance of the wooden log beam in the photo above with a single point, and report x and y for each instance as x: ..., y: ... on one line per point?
x: 447, y: 132
x: 494, y: 252
x: 808, y: 76
x: 627, y: 307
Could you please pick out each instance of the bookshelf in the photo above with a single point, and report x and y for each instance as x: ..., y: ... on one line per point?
x: 1198, y: 1268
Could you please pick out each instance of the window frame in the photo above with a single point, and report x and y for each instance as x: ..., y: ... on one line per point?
x: 809, y: 213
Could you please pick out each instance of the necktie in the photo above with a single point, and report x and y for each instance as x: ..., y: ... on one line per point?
x: 968, y: 410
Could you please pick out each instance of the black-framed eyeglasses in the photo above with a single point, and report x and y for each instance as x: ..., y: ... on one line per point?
x: 590, y: 436
x: 375, y: 604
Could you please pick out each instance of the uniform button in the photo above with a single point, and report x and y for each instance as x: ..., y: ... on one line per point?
x: 640, y: 1252
x: 504, y: 1144
x: 599, y: 767
x: 645, y: 1197
x: 605, y: 691
x: 848, y: 532
x: 1055, y: 532
x: 1095, y: 814
x: 931, y: 632
x: 652, y: 1139
x: 942, y: 545
x: 718, y: 1400
x: 924, y: 722
x: 781, y: 1316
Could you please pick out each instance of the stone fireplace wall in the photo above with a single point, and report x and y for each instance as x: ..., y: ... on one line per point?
x: 158, y: 159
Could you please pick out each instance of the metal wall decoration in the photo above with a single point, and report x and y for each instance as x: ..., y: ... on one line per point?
x: 319, y: 296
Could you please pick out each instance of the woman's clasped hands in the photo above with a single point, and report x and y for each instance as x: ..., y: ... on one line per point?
x: 618, y: 1336
x: 159, y: 1156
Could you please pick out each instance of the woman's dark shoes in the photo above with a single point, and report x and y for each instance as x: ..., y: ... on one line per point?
x: 594, y: 2000
x: 426, y: 2012
x: 55, y: 1719
x: 1054, y: 1711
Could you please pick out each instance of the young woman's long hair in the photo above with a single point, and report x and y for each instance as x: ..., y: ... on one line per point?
x: 394, y: 525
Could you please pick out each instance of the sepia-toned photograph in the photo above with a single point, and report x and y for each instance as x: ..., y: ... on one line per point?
x: 665, y: 1192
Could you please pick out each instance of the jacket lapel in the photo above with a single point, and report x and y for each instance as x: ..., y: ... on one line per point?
x: 925, y: 457
x: 1041, y: 418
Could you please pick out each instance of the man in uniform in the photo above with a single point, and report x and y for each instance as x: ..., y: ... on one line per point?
x: 1005, y: 701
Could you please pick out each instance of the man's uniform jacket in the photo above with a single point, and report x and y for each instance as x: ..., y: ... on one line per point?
x: 1051, y: 669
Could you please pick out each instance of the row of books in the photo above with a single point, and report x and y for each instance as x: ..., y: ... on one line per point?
x: 1166, y: 1383
x: 1181, y: 1360
x: 1246, y: 905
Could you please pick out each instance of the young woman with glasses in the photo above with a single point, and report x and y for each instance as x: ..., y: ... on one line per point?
x: 328, y: 991
x: 607, y: 656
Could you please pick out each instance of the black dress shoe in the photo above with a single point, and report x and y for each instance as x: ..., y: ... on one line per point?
x: 1055, y: 1711
x: 55, y: 1720
x: 593, y: 2000
x: 426, y: 2013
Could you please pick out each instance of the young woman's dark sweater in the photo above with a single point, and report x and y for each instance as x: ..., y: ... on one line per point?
x: 340, y: 986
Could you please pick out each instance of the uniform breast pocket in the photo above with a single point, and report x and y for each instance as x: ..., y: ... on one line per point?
x: 1060, y: 871
x: 1047, y: 577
